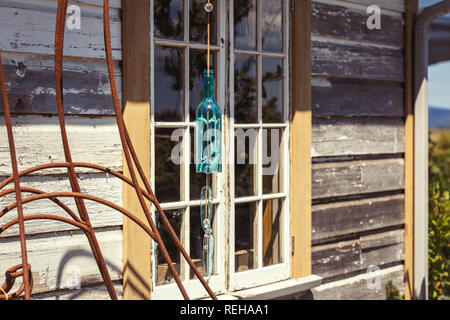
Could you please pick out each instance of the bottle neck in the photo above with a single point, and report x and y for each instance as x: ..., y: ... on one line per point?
x: 208, y: 83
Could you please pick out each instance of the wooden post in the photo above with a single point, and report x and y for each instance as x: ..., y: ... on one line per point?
x: 301, y: 122
x: 136, y: 102
x: 410, y: 14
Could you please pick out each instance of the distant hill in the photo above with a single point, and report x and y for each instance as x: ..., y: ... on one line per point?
x: 439, y: 118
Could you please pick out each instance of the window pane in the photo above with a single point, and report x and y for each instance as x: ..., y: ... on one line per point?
x: 197, y: 65
x: 169, y: 19
x: 198, y: 180
x: 196, y: 240
x: 167, y: 178
x: 272, y: 231
x: 168, y: 85
x: 245, y: 24
x: 245, y: 237
x: 175, y: 217
x: 272, y: 160
x: 198, y: 20
x: 272, y: 90
x: 245, y: 92
x: 272, y: 25
x: 245, y: 160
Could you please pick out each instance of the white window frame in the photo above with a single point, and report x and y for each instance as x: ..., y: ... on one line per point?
x: 225, y: 279
x: 261, y: 275
x: 217, y: 282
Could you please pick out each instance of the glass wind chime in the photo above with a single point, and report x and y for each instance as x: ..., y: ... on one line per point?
x: 208, y: 153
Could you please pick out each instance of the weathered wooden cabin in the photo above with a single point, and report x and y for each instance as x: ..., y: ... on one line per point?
x: 334, y: 221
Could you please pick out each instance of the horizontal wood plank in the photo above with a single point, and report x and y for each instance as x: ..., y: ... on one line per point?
x: 93, y: 292
x: 341, y: 258
x: 356, y: 177
x: 343, y: 59
x: 356, y: 288
x: 112, y: 3
x: 338, y: 219
x: 395, y: 5
x: 94, y: 140
x: 30, y: 82
x: 359, y: 136
x: 336, y: 258
x: 348, y: 21
x: 56, y: 260
x: 28, y: 26
x: 340, y: 97
x: 99, y: 185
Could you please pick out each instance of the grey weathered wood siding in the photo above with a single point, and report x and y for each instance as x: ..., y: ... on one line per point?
x: 357, y: 147
x: 358, y: 134
x: 57, y: 251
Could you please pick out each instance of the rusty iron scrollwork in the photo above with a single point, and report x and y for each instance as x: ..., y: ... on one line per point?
x: 81, y: 220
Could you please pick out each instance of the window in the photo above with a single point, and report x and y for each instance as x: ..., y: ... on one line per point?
x: 249, y: 56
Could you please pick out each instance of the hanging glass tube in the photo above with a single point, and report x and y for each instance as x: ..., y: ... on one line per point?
x: 206, y: 218
x: 208, y: 131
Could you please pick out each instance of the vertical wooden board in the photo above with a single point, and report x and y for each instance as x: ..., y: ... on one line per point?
x: 411, y: 11
x: 301, y: 138
x: 136, y: 102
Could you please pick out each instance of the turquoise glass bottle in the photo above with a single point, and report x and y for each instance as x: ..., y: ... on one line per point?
x: 208, y: 130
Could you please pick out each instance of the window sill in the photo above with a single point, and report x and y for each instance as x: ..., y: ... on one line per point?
x: 274, y: 290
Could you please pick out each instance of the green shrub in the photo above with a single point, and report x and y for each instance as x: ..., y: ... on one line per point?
x: 439, y: 217
x: 438, y: 242
x: 392, y: 292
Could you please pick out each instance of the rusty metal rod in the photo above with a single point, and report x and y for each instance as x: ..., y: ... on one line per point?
x: 128, y: 148
x: 12, y: 151
x: 59, y: 50
x: 36, y: 191
x: 83, y: 222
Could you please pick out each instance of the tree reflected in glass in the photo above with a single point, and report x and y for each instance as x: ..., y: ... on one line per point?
x: 169, y: 85
x: 169, y: 19
x: 245, y: 90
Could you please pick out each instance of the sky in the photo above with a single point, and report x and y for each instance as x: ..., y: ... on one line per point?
x: 439, y: 76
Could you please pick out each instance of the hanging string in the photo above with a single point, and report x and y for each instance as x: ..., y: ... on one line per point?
x: 208, y: 9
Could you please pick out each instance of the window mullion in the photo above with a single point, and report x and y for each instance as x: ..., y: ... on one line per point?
x: 154, y: 259
x: 185, y: 179
x: 285, y: 156
x: 259, y: 218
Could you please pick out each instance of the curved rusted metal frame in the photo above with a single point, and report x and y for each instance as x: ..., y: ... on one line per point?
x: 82, y: 222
